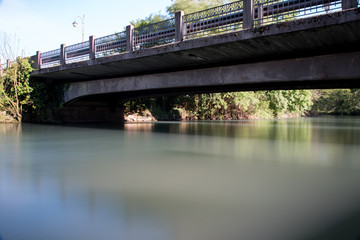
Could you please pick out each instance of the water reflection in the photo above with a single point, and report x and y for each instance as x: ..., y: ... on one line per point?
x: 287, y: 179
x: 328, y: 130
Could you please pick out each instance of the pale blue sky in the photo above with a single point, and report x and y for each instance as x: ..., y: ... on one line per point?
x: 45, y: 24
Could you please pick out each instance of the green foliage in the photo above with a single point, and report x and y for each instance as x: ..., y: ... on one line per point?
x: 228, y: 105
x: 289, y: 101
x: 243, y: 105
x: 47, y: 99
x: 152, y: 18
x: 337, y: 101
x: 190, y: 6
x: 15, y: 88
x: 162, y: 108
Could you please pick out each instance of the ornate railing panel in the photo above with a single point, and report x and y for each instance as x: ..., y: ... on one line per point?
x: 215, y: 20
x: 154, y: 34
x: 274, y: 11
x: 50, y: 58
x: 77, y: 52
x: 110, y: 45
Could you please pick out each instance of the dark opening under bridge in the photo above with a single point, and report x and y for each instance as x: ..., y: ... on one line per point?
x: 244, y: 45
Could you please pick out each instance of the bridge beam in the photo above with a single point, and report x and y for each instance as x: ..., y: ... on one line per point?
x: 328, y: 71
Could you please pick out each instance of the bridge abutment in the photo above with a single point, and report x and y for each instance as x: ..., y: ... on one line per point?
x: 92, y: 112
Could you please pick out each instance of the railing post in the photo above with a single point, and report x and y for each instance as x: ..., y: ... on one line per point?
x: 62, y: 54
x: 92, y: 47
x: 260, y: 15
x: 248, y: 14
x: 129, y: 38
x: 179, y: 26
x: 348, y: 4
x: 37, y: 60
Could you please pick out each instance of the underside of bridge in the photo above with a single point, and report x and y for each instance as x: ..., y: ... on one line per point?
x: 102, y: 100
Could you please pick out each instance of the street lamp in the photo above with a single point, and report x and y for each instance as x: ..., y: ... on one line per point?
x: 82, y: 25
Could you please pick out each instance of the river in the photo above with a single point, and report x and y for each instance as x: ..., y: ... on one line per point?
x: 292, y: 179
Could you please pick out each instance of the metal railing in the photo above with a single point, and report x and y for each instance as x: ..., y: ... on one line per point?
x: 110, y: 45
x: 215, y: 20
x: 230, y: 17
x: 50, y: 59
x: 154, y: 34
x: 274, y: 11
x: 77, y: 52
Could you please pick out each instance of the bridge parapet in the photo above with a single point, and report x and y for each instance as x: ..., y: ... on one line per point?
x: 236, y: 16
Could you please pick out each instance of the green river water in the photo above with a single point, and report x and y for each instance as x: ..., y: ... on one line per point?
x: 296, y: 179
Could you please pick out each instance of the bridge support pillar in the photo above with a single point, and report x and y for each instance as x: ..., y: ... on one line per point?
x: 348, y: 4
x: 92, y: 112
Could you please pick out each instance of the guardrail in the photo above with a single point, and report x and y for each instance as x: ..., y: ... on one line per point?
x: 234, y: 16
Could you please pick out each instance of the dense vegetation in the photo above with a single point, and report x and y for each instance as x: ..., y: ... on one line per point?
x: 15, y: 89
x: 21, y: 95
x: 250, y: 105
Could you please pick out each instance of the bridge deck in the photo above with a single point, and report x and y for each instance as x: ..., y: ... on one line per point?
x: 325, y: 34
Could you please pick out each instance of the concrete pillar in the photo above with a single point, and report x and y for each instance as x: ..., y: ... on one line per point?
x: 180, y: 27
x: 62, y: 54
x: 129, y: 38
x: 248, y: 14
x: 92, y: 47
x: 348, y: 4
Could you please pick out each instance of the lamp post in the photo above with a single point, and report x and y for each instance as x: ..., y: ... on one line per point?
x: 82, y: 25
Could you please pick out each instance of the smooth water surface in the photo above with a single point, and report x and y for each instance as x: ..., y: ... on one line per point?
x: 241, y: 180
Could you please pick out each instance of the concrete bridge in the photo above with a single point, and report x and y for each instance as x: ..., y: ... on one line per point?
x: 245, y: 45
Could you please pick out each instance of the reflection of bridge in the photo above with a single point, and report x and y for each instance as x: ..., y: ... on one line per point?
x: 244, y: 45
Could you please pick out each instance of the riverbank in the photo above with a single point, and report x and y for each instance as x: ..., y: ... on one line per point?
x: 5, y: 118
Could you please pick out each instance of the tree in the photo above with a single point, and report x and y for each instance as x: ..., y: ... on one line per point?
x: 15, y: 89
x: 152, y: 18
x: 289, y: 101
x: 337, y: 101
x: 190, y: 6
